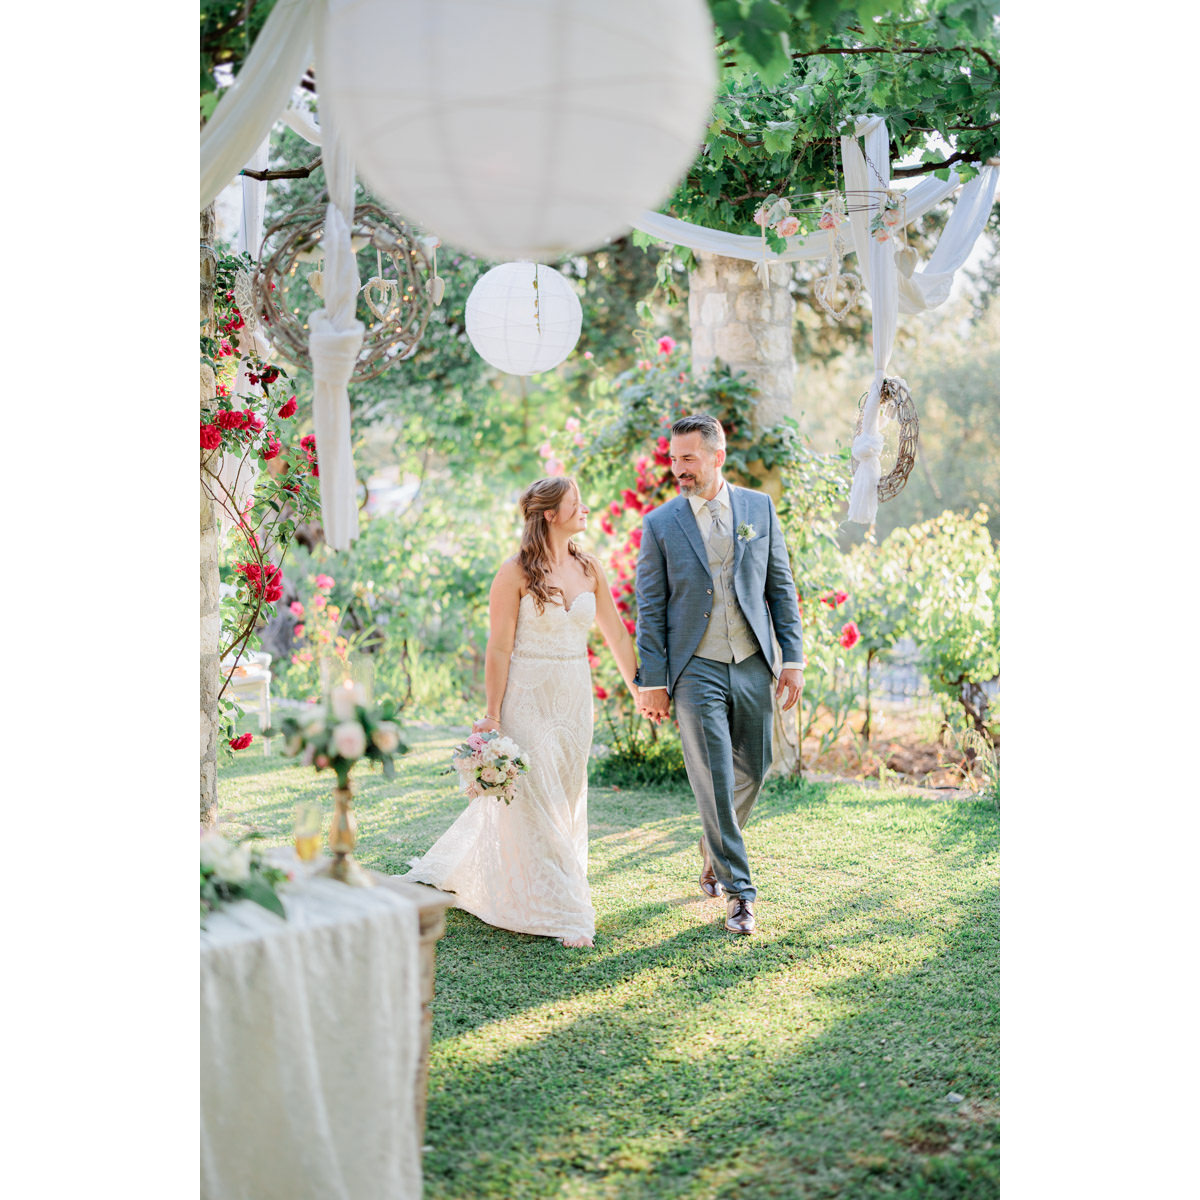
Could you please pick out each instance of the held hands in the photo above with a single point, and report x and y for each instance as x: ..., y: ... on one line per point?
x: 484, y: 724
x: 793, y: 680
x: 654, y: 704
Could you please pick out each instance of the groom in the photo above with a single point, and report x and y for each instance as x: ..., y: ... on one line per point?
x: 712, y: 581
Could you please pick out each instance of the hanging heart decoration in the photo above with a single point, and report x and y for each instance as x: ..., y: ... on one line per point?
x: 906, y: 261
x: 825, y: 290
x: 382, y: 296
x: 436, y: 287
x: 316, y: 281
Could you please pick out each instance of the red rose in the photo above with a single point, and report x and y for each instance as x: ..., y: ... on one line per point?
x: 615, y: 508
x: 240, y: 743
x: 316, y: 470
x: 254, y: 421
x: 601, y: 694
x: 289, y: 408
x: 308, y: 441
x: 210, y: 437
x: 606, y: 525
x: 229, y: 418
x: 252, y: 378
x: 636, y: 536
x: 849, y: 634
x: 272, y: 448
x: 631, y: 626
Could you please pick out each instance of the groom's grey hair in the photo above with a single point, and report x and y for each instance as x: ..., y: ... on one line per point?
x: 709, y: 428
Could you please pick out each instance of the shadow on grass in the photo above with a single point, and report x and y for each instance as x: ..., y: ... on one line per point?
x: 684, y: 1088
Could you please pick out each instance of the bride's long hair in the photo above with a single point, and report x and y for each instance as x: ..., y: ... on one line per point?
x: 539, y: 498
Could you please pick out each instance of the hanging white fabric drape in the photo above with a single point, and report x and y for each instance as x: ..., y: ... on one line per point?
x: 337, y: 335
x: 253, y: 103
x: 878, y: 266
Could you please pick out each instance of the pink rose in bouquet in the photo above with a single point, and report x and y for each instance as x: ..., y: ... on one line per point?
x: 488, y: 764
x: 787, y: 227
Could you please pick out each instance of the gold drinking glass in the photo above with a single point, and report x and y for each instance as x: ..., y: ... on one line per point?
x: 308, y: 831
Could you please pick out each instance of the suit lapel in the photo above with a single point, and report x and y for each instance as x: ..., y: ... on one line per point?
x: 686, y: 520
x: 737, y: 507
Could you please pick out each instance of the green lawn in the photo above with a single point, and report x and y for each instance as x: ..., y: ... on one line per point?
x: 677, y: 1060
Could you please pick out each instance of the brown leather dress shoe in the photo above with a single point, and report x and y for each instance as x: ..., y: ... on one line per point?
x: 709, y: 884
x: 739, y: 915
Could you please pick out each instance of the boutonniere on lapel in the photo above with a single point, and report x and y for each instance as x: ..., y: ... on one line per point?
x: 746, y: 533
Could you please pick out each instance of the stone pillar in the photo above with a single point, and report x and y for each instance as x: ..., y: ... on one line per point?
x: 749, y: 328
x: 210, y: 616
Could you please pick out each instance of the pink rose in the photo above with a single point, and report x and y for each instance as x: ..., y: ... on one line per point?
x: 473, y: 789
x: 891, y: 216
x: 324, y: 582
x: 297, y: 608
x: 572, y: 424
x: 787, y: 227
x: 760, y: 216
x: 667, y: 344
x: 882, y: 235
x: 476, y: 741
x: 643, y: 364
x: 828, y: 221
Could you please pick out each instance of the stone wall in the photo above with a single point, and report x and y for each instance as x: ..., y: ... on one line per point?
x: 749, y: 328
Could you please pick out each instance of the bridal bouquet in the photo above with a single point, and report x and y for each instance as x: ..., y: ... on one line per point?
x: 488, y: 765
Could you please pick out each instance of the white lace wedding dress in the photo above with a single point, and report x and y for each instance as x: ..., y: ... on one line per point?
x: 523, y: 866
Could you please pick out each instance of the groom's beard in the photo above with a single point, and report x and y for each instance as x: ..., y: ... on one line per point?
x: 689, y: 486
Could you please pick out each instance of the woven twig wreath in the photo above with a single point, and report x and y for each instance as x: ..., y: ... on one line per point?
x: 896, y: 402
x: 285, y: 290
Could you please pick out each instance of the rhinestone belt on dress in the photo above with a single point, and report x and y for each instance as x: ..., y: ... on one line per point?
x: 580, y: 657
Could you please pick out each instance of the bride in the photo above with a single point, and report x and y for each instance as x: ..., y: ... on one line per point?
x: 523, y: 866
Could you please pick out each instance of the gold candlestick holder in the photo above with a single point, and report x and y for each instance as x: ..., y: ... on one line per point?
x: 342, y: 833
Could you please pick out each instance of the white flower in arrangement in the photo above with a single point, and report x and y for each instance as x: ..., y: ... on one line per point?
x: 746, y: 532
x: 386, y: 737
x: 349, y: 739
x: 228, y: 862
x: 492, y: 775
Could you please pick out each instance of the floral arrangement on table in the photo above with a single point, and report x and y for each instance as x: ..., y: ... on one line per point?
x: 342, y: 733
x: 488, y: 764
x: 235, y: 871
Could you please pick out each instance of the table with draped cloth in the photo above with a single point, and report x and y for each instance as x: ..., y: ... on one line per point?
x: 310, y: 1040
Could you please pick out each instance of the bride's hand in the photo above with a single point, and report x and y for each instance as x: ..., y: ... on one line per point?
x: 484, y: 724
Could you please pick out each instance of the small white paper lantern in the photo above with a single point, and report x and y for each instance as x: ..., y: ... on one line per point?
x: 520, y: 128
x: 520, y: 328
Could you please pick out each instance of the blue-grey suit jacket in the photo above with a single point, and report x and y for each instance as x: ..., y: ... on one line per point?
x: 674, y: 585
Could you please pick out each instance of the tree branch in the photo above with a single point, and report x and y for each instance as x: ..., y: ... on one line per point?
x: 901, y: 50
x: 291, y: 173
x: 929, y: 168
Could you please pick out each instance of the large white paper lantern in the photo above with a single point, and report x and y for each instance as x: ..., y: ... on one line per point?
x: 520, y: 328
x: 520, y: 128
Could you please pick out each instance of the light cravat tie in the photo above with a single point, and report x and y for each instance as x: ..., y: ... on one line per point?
x: 718, y: 536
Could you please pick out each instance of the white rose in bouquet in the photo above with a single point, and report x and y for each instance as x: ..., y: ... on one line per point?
x: 492, y: 775
x: 505, y: 747
x: 386, y: 737
x: 350, y: 739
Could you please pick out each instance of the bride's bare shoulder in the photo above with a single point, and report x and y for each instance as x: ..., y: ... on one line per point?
x: 511, y: 576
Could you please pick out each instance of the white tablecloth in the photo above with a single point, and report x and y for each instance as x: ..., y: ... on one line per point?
x: 310, y: 1037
